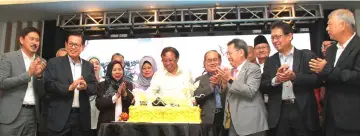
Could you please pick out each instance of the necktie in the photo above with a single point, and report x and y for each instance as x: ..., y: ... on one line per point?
x: 228, y: 112
x: 235, y: 73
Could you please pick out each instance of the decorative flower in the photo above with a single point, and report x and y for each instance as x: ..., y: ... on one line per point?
x: 123, y: 117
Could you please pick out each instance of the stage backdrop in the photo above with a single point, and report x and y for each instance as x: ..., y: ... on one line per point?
x: 191, y: 50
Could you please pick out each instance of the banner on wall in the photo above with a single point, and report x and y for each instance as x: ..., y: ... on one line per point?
x: 191, y: 50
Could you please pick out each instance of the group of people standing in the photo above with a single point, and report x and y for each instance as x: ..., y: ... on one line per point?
x: 269, y: 95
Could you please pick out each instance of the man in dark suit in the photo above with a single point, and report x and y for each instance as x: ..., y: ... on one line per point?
x: 22, y: 85
x: 289, y: 83
x: 341, y: 72
x: 70, y: 81
x: 209, y: 94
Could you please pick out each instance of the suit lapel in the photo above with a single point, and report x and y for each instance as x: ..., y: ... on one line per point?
x: 297, y: 56
x: 243, y: 70
x: 20, y: 60
x: 83, y: 68
x: 349, y: 48
x: 277, y: 61
x: 332, y: 54
x: 67, y: 69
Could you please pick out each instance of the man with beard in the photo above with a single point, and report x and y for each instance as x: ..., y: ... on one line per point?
x: 22, y: 84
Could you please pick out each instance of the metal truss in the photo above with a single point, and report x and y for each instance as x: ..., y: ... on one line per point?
x: 191, y: 17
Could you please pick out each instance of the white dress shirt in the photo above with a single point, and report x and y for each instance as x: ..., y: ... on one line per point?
x: 166, y: 84
x: 287, y: 87
x: 29, y: 98
x: 76, y: 72
x: 340, y: 49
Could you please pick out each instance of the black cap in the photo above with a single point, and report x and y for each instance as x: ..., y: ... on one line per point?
x: 259, y: 39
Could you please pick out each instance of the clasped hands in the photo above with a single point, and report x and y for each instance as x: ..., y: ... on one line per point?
x: 121, y: 91
x: 36, y: 68
x: 284, y: 73
x: 79, y: 84
x: 317, y: 65
x: 221, y: 77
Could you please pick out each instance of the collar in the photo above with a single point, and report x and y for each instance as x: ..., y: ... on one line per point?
x: 26, y: 56
x: 72, y: 61
x: 346, y: 43
x: 179, y: 71
x: 289, y: 54
x: 239, y: 68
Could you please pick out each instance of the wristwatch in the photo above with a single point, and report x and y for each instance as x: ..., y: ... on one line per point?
x: 230, y: 81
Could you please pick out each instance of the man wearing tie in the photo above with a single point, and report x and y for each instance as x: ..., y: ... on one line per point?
x: 245, y: 112
x: 341, y: 72
x: 209, y: 94
x: 22, y: 85
x: 289, y: 83
x: 70, y: 81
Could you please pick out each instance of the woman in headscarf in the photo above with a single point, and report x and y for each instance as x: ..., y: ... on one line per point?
x: 113, y: 96
x: 147, y: 68
x: 94, y: 112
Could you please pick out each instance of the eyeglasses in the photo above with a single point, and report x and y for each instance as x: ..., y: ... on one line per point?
x: 276, y: 37
x: 230, y: 53
x: 74, y: 45
x: 212, y: 60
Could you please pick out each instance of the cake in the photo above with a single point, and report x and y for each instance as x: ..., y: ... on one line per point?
x: 165, y: 114
x: 152, y: 107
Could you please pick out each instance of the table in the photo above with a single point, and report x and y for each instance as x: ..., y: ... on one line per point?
x: 157, y: 129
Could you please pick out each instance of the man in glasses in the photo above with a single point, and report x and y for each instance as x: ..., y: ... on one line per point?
x: 289, y: 83
x: 70, y: 81
x: 210, y: 94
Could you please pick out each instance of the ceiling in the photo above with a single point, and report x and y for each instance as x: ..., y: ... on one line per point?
x: 48, y: 9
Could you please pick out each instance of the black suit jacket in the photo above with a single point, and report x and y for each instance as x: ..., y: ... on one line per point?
x: 106, y: 106
x: 207, y: 101
x: 58, y: 77
x: 303, y: 88
x: 342, y: 98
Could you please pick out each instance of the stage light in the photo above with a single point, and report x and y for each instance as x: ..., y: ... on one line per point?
x: 151, y: 6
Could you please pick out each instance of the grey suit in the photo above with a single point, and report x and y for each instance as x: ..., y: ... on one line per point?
x: 247, y: 108
x: 14, y: 82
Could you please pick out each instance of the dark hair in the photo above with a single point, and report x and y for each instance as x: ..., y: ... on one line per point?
x: 286, y: 28
x: 170, y: 49
x: 117, y: 54
x: 110, y: 69
x: 219, y: 55
x: 239, y: 44
x: 109, y: 80
x: 28, y: 30
x: 146, y: 62
x: 76, y: 34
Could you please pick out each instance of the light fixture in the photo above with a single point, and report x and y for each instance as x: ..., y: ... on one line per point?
x: 151, y: 6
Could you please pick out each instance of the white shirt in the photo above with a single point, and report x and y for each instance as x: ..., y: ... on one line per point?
x: 340, y: 49
x: 76, y: 72
x: 261, y: 66
x: 287, y: 87
x: 29, y: 98
x: 166, y: 84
